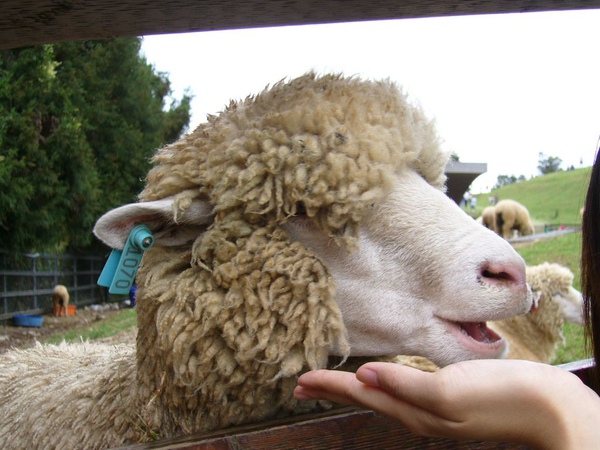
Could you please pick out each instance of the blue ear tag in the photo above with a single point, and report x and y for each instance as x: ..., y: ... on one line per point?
x: 121, y: 268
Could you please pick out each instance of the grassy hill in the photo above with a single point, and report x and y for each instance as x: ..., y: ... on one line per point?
x: 555, y: 198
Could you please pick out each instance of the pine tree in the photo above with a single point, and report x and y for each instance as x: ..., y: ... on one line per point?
x: 78, y: 124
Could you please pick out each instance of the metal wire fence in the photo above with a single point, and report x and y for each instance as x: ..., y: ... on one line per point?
x: 27, y: 280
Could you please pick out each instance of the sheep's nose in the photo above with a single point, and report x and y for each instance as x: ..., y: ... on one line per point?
x: 510, y: 274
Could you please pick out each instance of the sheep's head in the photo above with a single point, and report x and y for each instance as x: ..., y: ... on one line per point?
x: 527, y: 228
x: 328, y: 147
x: 558, y: 302
x: 310, y: 221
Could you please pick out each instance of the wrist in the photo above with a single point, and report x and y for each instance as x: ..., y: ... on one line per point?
x: 574, y: 414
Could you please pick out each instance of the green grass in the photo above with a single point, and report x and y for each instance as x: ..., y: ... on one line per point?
x: 564, y: 250
x: 551, y: 199
x: 121, y: 321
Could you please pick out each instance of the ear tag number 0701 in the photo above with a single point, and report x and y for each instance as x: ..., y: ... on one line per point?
x: 121, y: 268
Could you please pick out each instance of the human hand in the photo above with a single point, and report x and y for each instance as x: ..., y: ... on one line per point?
x: 493, y: 400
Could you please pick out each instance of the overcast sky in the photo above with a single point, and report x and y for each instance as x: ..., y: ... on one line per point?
x: 501, y: 88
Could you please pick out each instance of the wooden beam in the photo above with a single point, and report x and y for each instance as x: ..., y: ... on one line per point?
x: 341, y: 429
x: 31, y: 22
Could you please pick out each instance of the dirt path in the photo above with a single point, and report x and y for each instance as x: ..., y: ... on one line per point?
x: 23, y: 337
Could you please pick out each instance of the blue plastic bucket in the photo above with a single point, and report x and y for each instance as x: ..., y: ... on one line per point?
x: 21, y: 320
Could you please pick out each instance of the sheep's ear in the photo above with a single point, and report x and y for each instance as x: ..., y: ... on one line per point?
x: 571, y: 302
x: 169, y: 226
x: 535, y: 305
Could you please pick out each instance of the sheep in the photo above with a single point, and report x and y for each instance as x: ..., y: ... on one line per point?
x: 304, y: 227
x: 60, y: 300
x: 536, y: 335
x: 418, y: 362
x: 511, y: 215
x: 488, y: 217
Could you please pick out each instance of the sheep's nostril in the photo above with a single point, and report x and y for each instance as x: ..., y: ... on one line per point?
x: 503, y: 273
x: 498, y: 276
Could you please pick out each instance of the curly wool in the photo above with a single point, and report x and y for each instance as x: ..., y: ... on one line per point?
x: 42, y: 405
x: 511, y: 215
x: 231, y: 351
x: 488, y: 217
x: 331, y: 143
x: 536, y: 336
x: 226, y: 324
x: 226, y: 327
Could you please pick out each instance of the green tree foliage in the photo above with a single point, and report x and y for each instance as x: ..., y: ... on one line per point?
x: 504, y: 180
x: 123, y: 102
x: 79, y: 122
x: 548, y: 164
x: 47, y: 175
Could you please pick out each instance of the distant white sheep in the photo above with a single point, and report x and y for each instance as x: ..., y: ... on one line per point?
x: 488, y: 217
x: 60, y: 300
x: 512, y: 215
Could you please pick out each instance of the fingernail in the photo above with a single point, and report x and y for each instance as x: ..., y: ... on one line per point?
x: 367, y: 376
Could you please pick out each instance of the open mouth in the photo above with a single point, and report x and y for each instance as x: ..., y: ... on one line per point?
x: 478, y: 331
x: 477, y: 337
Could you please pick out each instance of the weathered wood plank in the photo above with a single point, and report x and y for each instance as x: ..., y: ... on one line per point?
x: 30, y: 22
x: 346, y: 428
x: 581, y: 368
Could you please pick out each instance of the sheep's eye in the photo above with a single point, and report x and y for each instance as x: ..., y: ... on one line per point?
x: 300, y: 209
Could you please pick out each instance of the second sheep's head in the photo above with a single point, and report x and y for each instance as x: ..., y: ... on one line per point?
x: 311, y: 221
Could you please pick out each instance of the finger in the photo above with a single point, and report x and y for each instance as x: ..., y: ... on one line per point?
x: 423, y: 389
x: 344, y: 388
x: 304, y: 393
x: 363, y: 388
x: 336, y: 386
